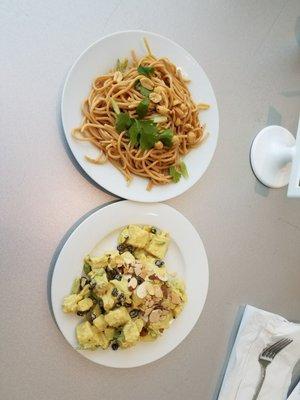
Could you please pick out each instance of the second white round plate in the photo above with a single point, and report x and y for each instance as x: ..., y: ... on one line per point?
x: 98, y: 233
x: 100, y: 58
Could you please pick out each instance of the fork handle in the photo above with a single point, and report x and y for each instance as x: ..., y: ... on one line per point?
x: 262, y: 378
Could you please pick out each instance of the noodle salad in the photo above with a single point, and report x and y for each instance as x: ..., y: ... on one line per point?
x: 142, y: 118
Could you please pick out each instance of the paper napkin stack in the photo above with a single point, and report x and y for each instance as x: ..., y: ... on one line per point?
x: 257, y: 330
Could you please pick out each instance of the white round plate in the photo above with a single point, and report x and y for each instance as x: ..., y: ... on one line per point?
x: 97, y: 233
x: 101, y: 57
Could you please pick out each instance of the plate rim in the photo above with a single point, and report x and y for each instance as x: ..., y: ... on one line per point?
x: 116, y: 192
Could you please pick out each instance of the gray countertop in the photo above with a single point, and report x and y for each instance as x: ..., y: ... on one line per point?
x: 251, y: 53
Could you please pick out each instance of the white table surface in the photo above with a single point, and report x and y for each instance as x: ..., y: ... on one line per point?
x: 251, y: 52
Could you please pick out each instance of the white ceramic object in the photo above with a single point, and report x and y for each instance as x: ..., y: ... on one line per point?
x: 97, y: 233
x: 98, y: 59
x: 294, y: 183
x: 271, y: 155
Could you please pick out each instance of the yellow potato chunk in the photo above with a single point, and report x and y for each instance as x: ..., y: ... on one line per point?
x: 70, y: 303
x: 158, y: 244
x: 117, y: 317
x: 138, y: 237
x: 85, y: 304
x: 131, y: 332
x: 100, y: 323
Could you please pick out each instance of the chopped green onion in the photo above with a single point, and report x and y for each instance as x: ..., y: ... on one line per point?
x: 121, y: 65
x: 76, y: 286
x: 158, y: 119
x: 183, y: 170
x: 176, y: 175
x: 86, y: 268
x: 115, y: 106
x: 139, y: 87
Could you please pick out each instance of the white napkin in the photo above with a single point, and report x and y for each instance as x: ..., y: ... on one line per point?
x: 257, y: 330
x: 295, y: 395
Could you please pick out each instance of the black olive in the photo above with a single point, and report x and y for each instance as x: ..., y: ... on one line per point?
x: 115, y: 346
x: 118, y: 304
x: 121, y: 298
x: 80, y: 313
x: 83, y: 282
x: 130, y: 248
x: 134, y: 313
x: 127, y: 305
x: 159, y: 263
x: 139, y: 280
x: 93, y: 316
x: 114, y: 292
x: 121, y: 248
x: 93, y: 285
x: 102, y: 310
x: 118, y: 277
x: 153, y: 230
x: 111, y: 273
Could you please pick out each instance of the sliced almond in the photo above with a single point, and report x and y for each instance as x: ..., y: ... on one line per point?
x: 158, y: 292
x: 138, y: 269
x: 132, y: 284
x: 162, y: 277
x: 141, y: 290
x: 155, y: 316
x: 147, y: 312
x: 150, y: 288
x: 150, y: 304
x: 143, y: 274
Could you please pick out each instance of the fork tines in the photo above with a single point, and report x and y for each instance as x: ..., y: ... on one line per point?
x: 275, y: 348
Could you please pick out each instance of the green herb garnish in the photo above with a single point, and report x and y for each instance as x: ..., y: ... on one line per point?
x: 148, y: 134
x: 142, y: 108
x: 143, y: 133
x: 145, y: 70
x: 123, y: 122
x: 166, y: 137
x: 134, y: 132
x: 175, y: 174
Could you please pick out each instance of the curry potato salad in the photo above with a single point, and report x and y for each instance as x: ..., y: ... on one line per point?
x: 128, y: 295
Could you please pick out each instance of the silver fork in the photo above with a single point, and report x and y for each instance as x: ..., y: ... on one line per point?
x: 266, y: 357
